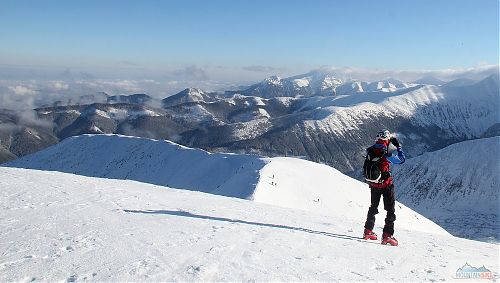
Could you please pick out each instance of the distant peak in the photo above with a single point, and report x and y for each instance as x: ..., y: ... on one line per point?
x: 193, y: 90
x: 273, y: 80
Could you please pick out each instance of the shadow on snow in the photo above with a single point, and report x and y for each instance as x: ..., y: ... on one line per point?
x: 207, y: 217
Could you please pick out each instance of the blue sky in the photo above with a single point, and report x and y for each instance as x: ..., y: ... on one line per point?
x: 239, y: 38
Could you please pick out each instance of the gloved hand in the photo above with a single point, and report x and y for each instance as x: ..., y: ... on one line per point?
x: 395, y: 142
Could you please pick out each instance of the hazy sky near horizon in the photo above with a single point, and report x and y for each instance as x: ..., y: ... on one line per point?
x: 241, y: 39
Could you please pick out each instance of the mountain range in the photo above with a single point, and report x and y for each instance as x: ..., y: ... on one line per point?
x: 314, y: 116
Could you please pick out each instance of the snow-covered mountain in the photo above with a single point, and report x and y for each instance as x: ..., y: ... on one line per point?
x: 318, y: 83
x: 58, y: 226
x: 22, y: 133
x: 97, y: 118
x: 186, y: 96
x: 284, y: 182
x: 326, y: 128
x: 337, y: 129
x: 457, y: 187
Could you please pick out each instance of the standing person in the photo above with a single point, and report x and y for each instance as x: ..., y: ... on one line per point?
x: 377, y: 172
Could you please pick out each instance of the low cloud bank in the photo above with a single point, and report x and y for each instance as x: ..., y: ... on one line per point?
x: 30, y: 94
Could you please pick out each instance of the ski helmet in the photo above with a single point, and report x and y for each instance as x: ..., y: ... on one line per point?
x: 384, y: 135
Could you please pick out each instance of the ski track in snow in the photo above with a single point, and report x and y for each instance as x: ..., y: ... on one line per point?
x: 58, y: 226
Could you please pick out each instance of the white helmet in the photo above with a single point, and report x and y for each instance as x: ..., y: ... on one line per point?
x: 384, y: 135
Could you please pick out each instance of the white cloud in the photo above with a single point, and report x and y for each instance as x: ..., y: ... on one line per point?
x: 123, y: 86
x: 29, y: 94
x: 60, y: 85
x: 21, y: 90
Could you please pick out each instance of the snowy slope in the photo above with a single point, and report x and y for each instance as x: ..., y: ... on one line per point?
x: 465, y: 112
x: 456, y: 186
x: 150, y: 161
x: 318, y: 188
x: 64, y: 227
x: 286, y: 182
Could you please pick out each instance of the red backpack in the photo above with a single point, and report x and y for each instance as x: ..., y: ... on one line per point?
x: 371, y: 166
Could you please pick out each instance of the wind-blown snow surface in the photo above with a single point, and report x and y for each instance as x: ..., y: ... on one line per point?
x: 58, y: 226
x: 457, y: 187
x: 287, y: 182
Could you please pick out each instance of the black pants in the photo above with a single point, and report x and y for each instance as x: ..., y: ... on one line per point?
x: 389, y: 203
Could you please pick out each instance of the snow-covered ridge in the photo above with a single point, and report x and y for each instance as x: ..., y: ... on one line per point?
x: 273, y: 80
x: 463, y: 112
x: 318, y: 83
x: 111, y: 112
x: 150, y: 161
x: 456, y: 113
x: 65, y: 227
x: 464, y: 197
x: 284, y: 182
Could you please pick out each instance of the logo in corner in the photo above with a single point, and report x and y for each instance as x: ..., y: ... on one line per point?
x: 470, y: 272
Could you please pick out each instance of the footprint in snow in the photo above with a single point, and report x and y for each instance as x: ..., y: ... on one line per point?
x: 193, y: 269
x: 377, y: 267
x: 72, y: 278
x: 141, y: 267
x: 68, y: 248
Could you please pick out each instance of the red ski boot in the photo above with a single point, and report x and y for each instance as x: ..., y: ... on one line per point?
x: 369, y: 235
x: 388, y: 239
